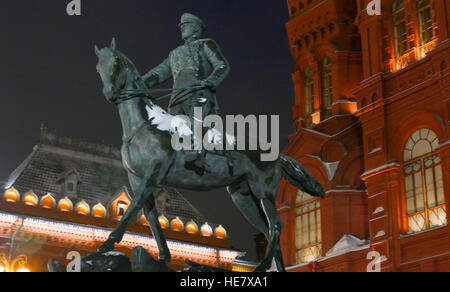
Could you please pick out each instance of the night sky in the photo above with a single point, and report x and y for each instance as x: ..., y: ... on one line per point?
x: 47, y: 73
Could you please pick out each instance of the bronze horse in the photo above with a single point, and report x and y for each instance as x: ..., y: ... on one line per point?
x: 150, y: 160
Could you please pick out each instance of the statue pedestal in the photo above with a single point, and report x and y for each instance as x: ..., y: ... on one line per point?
x: 141, y: 261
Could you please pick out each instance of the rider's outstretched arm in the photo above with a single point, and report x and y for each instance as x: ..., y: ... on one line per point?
x: 158, y: 75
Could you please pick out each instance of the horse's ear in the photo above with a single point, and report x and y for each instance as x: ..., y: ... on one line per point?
x: 97, y: 51
x: 113, y: 44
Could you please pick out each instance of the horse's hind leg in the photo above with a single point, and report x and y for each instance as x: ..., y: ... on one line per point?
x: 152, y: 218
x: 275, y: 226
x: 252, y: 211
x: 246, y: 203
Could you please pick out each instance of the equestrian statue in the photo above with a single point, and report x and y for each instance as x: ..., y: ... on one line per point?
x: 151, y: 161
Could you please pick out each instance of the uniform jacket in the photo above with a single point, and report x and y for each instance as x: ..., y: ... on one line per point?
x: 190, y: 64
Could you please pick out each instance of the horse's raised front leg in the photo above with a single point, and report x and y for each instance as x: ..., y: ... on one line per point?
x: 152, y: 218
x: 145, y: 190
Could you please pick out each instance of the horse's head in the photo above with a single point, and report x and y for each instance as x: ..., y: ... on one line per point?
x: 114, y: 69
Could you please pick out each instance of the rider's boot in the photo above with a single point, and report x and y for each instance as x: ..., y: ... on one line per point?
x: 195, y: 161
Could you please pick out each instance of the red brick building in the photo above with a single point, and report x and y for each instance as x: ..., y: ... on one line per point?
x: 372, y: 117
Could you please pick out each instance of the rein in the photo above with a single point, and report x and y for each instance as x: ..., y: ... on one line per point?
x: 125, y: 95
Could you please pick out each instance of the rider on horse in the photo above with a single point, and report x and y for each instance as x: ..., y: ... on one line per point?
x: 197, y: 68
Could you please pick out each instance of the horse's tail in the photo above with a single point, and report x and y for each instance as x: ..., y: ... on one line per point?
x: 297, y: 175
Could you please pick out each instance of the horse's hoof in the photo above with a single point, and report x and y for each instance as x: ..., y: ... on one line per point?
x: 164, y: 257
x: 261, y: 268
x: 106, y: 247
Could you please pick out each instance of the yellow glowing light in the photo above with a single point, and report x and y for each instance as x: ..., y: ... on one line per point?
x: 48, y: 201
x: 206, y: 230
x: 163, y: 222
x: 65, y: 205
x: 144, y: 220
x: 12, y: 195
x: 220, y: 232
x: 191, y: 228
x: 177, y: 224
x: 31, y: 199
x: 23, y: 270
x: 99, y: 211
x: 315, y: 118
x: 83, y: 208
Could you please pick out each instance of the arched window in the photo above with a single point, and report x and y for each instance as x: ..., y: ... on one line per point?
x: 192, y: 227
x: 99, y: 211
x: 206, y: 230
x: 220, y: 232
x: 31, y: 199
x: 308, y: 232
x: 399, y: 22
x: 424, y: 185
x: 425, y: 21
x: 143, y: 220
x: 163, y: 221
x: 83, y: 208
x: 65, y: 205
x: 119, y: 206
x: 327, y: 87
x: 12, y: 195
x: 309, y: 92
x: 177, y: 224
x: 48, y: 201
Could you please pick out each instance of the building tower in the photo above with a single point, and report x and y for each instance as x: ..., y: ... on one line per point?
x: 371, y: 117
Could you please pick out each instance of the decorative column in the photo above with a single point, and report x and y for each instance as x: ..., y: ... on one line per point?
x: 442, y: 8
x: 444, y: 152
x: 383, y: 189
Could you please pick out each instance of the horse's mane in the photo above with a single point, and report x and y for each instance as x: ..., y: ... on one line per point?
x: 128, y: 61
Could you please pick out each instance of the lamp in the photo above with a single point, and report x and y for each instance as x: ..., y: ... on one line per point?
x: 19, y: 264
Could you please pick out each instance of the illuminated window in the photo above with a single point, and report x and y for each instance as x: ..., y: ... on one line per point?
x: 12, y: 195
x: 424, y: 185
x: 192, y: 227
x: 121, y: 209
x: 65, y: 205
x: 143, y: 220
x: 309, y: 92
x: 177, y: 224
x: 163, y: 222
x: 399, y: 22
x: 425, y: 21
x: 220, y: 232
x: 327, y: 87
x: 206, y: 230
x: 119, y: 205
x: 99, y: 211
x: 48, y: 201
x: 308, y: 233
x: 31, y: 199
x: 83, y: 208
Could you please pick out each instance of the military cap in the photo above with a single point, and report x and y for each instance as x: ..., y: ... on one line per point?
x: 191, y: 18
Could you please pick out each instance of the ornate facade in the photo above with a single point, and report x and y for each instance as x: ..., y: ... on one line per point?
x: 372, y: 117
x: 69, y: 194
